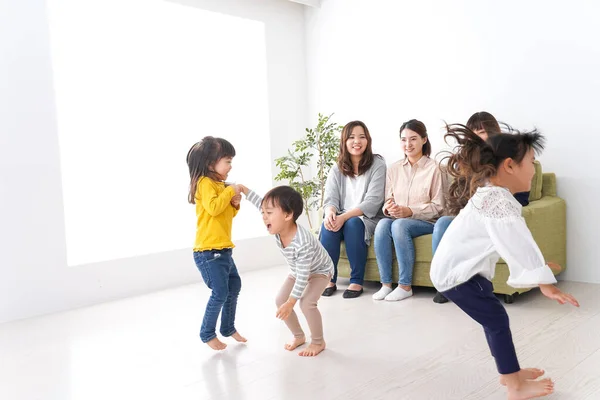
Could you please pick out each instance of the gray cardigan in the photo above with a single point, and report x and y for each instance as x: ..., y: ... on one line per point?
x: 371, y: 200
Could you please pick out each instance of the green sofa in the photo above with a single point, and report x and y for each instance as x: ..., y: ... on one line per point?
x: 545, y: 216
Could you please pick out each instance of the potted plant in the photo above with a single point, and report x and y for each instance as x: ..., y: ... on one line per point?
x: 323, y: 142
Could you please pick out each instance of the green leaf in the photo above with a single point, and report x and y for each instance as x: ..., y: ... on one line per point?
x: 320, y: 147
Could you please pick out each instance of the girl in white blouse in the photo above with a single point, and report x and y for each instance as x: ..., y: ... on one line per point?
x: 490, y: 226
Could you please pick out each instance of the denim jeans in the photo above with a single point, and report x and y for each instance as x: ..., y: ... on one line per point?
x: 221, y: 276
x: 438, y: 231
x: 400, y: 233
x: 353, y: 234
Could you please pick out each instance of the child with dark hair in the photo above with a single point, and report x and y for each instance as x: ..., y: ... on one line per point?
x: 484, y: 125
x: 311, y: 267
x: 488, y: 227
x: 209, y: 163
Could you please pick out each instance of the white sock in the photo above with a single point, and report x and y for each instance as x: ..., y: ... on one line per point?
x: 384, y: 291
x: 399, y: 294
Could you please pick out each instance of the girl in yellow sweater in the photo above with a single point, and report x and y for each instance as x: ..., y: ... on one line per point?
x: 209, y: 162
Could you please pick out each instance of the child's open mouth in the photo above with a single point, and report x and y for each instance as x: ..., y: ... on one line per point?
x: 268, y: 226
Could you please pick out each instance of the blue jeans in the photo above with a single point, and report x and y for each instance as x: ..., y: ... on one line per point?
x: 221, y: 275
x: 353, y: 234
x: 400, y: 233
x: 438, y: 231
x: 476, y: 298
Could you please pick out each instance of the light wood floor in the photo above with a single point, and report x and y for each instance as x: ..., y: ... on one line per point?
x: 148, y: 348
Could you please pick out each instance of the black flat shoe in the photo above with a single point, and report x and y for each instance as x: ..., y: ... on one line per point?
x: 329, y: 291
x: 352, y: 294
x: 440, y: 298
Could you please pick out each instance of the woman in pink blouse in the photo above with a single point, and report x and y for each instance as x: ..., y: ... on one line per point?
x: 414, y: 199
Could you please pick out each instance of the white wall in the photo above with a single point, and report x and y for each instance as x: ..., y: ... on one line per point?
x: 34, y: 277
x: 531, y: 63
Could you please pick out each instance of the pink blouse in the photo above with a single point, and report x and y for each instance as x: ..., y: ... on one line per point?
x: 419, y: 187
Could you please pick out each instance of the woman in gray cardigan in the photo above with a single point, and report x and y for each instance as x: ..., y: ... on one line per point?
x: 354, y: 195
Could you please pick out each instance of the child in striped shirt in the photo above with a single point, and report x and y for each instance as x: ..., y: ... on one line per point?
x: 311, y: 267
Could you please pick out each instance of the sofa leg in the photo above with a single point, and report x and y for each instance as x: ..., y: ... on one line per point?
x: 509, y: 298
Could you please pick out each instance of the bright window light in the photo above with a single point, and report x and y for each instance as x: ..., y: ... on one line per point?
x: 137, y: 82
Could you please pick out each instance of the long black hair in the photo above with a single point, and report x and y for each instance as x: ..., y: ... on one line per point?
x: 344, y: 161
x: 201, y: 160
x: 474, y: 161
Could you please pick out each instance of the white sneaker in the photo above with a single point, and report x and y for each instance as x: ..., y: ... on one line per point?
x: 399, y: 294
x: 384, y: 291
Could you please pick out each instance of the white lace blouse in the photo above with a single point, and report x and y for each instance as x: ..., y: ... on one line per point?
x: 489, y: 227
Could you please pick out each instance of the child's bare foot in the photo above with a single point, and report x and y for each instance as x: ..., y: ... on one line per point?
x: 531, y: 390
x: 216, y: 344
x: 295, y: 343
x: 239, y: 338
x: 312, y: 350
x: 528, y: 374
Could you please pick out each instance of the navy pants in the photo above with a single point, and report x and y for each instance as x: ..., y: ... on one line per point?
x: 476, y: 298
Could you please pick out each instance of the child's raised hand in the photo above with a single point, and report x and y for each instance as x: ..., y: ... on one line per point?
x: 243, y: 189
x: 554, y: 293
x: 237, y: 189
x: 236, y: 200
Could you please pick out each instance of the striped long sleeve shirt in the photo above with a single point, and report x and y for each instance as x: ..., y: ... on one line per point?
x: 305, y: 255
